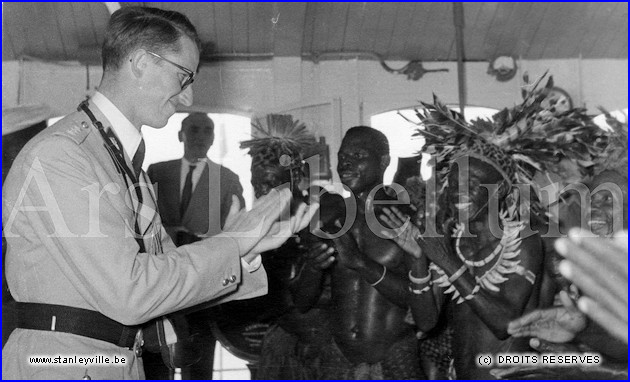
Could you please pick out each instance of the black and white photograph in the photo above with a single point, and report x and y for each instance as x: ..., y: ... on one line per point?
x: 314, y: 190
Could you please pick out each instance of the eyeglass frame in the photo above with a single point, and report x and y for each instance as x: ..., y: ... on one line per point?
x: 191, y: 75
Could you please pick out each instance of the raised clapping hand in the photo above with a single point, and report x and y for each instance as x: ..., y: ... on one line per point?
x: 559, y: 324
x: 599, y: 267
x: 260, y: 230
x: 406, y: 239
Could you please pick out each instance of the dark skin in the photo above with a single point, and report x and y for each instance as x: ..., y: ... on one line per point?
x: 288, y: 268
x: 480, y: 323
x: 558, y: 328
x: 605, y: 204
x: 366, y: 320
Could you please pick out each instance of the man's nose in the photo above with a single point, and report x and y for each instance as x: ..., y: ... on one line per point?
x: 186, y: 97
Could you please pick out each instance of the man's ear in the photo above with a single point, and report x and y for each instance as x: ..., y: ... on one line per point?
x: 180, y: 135
x: 385, y: 159
x: 138, y: 62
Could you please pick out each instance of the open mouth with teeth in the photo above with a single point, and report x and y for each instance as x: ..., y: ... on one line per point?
x: 463, y: 206
x: 598, y: 225
x: 347, y: 174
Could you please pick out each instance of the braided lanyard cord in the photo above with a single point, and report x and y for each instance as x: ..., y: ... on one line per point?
x: 119, y: 162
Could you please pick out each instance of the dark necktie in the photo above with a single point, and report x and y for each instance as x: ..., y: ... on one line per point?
x: 138, y: 158
x: 187, y: 193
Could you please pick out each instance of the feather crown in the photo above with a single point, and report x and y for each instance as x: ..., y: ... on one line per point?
x: 519, y: 142
x: 278, y: 139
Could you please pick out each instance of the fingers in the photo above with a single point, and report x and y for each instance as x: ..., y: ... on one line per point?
x: 595, y: 260
x: 567, y: 302
x: 621, y: 239
x: 401, y: 217
x: 324, y: 257
x: 275, y: 201
x: 615, y: 325
x: 550, y: 347
x: 615, y: 302
x: 395, y: 217
x: 304, y: 216
x: 388, y: 234
x: 521, y: 327
x: 324, y: 264
x: 321, y: 256
x: 385, y: 219
x: 593, y: 252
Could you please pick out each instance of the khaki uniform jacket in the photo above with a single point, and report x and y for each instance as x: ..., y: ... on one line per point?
x: 66, y: 217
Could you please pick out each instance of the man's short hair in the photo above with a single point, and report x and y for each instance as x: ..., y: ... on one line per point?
x: 198, y: 119
x: 379, y: 143
x: 154, y: 29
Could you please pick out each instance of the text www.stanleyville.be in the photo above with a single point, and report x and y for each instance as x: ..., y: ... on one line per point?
x: 77, y: 360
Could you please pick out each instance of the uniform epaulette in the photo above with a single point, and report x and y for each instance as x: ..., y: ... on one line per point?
x: 75, y: 126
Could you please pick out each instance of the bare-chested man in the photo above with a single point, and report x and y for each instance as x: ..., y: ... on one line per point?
x: 493, y: 278
x: 490, y: 256
x: 368, y: 281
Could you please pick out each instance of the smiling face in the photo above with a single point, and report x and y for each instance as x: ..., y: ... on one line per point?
x: 360, y: 168
x: 162, y: 87
x: 607, y: 202
x: 471, y: 200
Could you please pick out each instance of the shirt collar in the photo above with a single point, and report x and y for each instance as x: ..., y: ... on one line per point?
x: 128, y: 135
x: 186, y: 162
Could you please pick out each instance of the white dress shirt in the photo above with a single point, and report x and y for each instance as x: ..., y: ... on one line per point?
x: 125, y: 131
x: 200, y: 165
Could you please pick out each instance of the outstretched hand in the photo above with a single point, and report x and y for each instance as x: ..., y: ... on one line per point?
x: 599, y: 267
x: 260, y: 229
x: 281, y: 231
x: 407, y: 231
x: 559, y: 324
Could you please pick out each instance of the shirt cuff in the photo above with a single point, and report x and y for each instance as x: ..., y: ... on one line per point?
x: 253, y: 266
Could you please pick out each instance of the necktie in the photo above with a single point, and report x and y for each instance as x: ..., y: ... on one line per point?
x: 187, y: 193
x: 138, y: 158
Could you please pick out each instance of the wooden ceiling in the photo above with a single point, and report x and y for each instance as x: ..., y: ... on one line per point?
x: 395, y: 31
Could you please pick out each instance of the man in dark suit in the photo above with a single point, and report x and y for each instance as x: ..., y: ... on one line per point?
x: 200, y: 209
x: 194, y: 196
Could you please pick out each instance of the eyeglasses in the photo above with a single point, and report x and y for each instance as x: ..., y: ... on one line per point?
x: 190, y: 75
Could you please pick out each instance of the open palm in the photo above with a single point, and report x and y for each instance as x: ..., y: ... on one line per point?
x: 558, y: 324
x: 406, y: 239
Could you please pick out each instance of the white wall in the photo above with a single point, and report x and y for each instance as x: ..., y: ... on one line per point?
x: 363, y: 87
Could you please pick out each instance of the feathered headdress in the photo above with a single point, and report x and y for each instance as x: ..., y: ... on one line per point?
x: 278, y: 141
x: 615, y: 155
x: 519, y: 142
